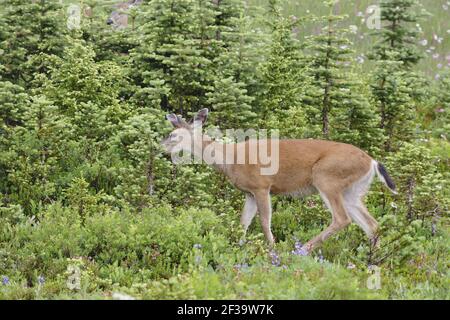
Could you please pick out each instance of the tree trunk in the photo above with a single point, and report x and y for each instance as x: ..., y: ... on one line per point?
x: 150, y: 175
x: 436, y: 217
x: 218, y: 32
x: 410, y: 193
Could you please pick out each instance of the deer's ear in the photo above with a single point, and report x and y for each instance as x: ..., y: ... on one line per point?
x: 201, y: 116
x: 174, y: 120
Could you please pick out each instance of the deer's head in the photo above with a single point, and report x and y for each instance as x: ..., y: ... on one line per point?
x: 185, y: 136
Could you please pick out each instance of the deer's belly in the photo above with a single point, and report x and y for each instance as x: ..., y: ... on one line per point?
x: 299, y: 192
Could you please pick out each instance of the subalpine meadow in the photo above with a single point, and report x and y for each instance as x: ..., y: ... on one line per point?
x: 91, y: 207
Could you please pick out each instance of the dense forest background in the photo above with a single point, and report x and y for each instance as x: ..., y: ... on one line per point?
x: 91, y: 208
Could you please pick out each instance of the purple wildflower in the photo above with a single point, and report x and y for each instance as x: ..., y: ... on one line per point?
x: 300, y: 250
x: 321, y: 259
x: 41, y: 280
x: 276, y: 261
x: 5, y: 280
x: 197, y: 246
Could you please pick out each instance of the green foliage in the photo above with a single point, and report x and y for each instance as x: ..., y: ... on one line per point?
x: 356, y: 121
x: 231, y: 103
x: 302, y: 279
x: 396, y: 87
x: 90, y: 206
x: 338, y: 107
x: 399, y: 33
x: 87, y: 92
x: 188, y: 61
x: 173, y: 60
x: 282, y: 98
x: 396, y: 109
x: 441, y: 112
x: 109, y: 43
x: 422, y: 187
x: 167, y: 253
x: 39, y: 148
x: 34, y: 31
x: 13, y: 103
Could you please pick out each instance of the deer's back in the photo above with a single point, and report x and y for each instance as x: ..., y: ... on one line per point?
x: 297, y: 160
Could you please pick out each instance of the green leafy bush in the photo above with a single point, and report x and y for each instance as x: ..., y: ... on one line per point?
x: 92, y: 208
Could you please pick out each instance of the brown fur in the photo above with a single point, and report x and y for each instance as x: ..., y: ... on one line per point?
x: 303, y: 163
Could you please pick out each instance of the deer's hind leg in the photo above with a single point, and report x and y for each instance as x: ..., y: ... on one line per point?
x: 356, y: 209
x: 335, y: 203
x: 331, y: 182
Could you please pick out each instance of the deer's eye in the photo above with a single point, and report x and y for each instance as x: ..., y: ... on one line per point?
x: 172, y: 136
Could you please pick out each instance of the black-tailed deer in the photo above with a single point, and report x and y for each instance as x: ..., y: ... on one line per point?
x: 339, y: 172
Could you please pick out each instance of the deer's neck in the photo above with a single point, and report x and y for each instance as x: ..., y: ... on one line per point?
x: 218, y: 151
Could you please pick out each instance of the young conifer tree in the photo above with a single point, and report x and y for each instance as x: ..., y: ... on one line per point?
x: 357, y: 121
x: 284, y: 77
x: 191, y: 57
x: 172, y: 66
x: 233, y: 66
x: 442, y: 112
x: 32, y: 32
x: 399, y: 34
x: 397, y: 88
x: 329, y: 50
x: 340, y: 106
x: 14, y: 102
x: 87, y: 93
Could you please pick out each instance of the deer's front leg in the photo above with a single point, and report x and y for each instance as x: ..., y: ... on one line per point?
x: 264, y: 206
x: 249, y: 211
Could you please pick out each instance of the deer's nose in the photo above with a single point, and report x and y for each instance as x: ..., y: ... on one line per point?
x: 109, y: 21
